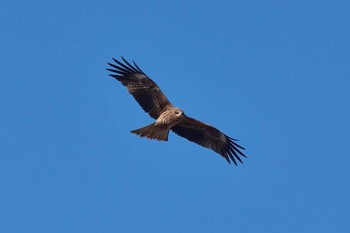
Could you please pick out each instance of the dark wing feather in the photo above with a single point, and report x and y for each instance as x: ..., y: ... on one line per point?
x: 210, y: 137
x: 141, y: 87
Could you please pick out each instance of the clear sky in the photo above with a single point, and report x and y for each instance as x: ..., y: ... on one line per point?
x: 274, y: 75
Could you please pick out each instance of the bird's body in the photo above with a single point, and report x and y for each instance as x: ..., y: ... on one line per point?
x: 159, y: 130
x: 168, y: 117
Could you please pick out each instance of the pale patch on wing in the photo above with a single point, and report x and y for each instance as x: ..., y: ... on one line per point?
x: 223, y: 138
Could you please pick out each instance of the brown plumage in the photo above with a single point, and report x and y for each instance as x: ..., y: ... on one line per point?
x: 154, y: 102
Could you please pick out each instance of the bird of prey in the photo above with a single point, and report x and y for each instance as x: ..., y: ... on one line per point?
x: 167, y: 116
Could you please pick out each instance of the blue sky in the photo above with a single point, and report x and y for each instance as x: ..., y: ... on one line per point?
x: 273, y: 74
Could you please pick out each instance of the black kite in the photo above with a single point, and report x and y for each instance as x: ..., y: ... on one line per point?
x: 168, y: 117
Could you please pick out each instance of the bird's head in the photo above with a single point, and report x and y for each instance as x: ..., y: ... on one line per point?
x: 178, y: 112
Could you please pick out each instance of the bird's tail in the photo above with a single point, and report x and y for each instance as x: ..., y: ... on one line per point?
x: 152, y: 132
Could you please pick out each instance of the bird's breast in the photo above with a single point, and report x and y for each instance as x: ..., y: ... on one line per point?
x: 168, y: 119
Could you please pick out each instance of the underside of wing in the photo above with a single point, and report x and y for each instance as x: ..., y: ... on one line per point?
x: 210, y: 137
x: 140, y: 86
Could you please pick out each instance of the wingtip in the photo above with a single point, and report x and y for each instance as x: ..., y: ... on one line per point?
x: 227, y: 159
x: 115, y: 60
x: 233, y: 150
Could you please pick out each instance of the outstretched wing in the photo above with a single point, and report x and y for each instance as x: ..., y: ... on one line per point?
x: 210, y: 137
x: 141, y: 87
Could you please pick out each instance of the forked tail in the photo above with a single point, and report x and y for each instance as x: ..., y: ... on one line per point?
x: 152, y: 132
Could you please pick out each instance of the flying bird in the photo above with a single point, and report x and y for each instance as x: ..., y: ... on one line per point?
x: 168, y: 117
